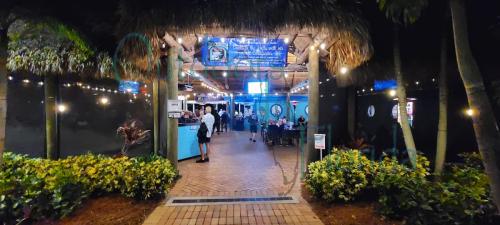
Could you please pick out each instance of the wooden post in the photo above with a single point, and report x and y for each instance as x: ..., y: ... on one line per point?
x: 172, y: 123
x: 312, y: 124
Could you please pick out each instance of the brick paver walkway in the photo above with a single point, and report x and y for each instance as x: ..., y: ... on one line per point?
x: 238, y: 167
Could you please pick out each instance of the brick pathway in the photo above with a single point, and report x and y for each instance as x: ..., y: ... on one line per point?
x: 239, y: 167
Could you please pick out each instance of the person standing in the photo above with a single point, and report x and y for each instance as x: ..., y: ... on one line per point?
x: 206, y: 127
x: 217, y: 122
x: 253, y: 121
x: 223, y: 121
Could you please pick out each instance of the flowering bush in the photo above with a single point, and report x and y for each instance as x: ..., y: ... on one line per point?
x: 342, y: 175
x: 39, y: 188
x: 461, y: 196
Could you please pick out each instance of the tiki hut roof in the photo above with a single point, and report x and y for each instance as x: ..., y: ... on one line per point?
x: 336, y: 23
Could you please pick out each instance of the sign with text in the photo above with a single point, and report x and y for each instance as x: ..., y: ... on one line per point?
x: 174, y: 106
x: 319, y: 141
x: 253, y: 52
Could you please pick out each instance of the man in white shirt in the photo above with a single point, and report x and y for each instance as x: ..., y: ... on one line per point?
x: 209, y: 121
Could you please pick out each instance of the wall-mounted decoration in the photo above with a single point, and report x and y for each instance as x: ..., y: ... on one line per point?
x: 276, y: 110
x: 371, y: 111
x: 409, y: 111
x: 307, y: 110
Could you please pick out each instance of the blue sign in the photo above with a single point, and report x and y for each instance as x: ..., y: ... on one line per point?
x: 129, y: 86
x: 380, y: 85
x: 255, y: 52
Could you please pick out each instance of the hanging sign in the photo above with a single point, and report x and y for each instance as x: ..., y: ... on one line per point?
x: 256, y: 52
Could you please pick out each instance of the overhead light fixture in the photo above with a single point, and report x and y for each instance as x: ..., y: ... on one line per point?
x: 286, y: 40
x: 264, y: 40
x: 243, y: 39
x: 179, y: 40
x: 224, y: 74
x: 223, y: 39
x: 286, y: 74
x: 200, y: 38
x: 343, y: 70
x: 11, y: 78
x: 322, y: 46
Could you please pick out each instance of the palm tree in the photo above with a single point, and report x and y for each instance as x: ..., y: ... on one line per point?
x: 402, y: 12
x: 443, y: 103
x: 47, y: 48
x: 483, y: 119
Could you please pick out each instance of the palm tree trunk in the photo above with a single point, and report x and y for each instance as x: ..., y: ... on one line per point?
x: 443, y: 105
x: 3, y: 89
x: 156, y: 117
x: 401, y: 93
x: 50, y: 116
x: 483, y: 120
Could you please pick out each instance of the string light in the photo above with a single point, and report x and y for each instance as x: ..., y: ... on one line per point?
x: 224, y: 74
x: 343, y: 70
x: 469, y: 112
x: 286, y: 40
x: 223, y: 39
x: 286, y: 75
x: 200, y: 39
x: 62, y: 108
x: 26, y: 81
x: 104, y: 100
x: 11, y: 78
x: 322, y: 46
x: 179, y: 40
x: 392, y: 92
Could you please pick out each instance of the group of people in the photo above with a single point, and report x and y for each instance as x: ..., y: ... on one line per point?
x: 211, y: 122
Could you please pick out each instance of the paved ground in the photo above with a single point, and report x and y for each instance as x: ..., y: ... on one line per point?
x: 239, y: 167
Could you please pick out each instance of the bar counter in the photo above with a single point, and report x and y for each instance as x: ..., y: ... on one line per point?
x: 187, y: 143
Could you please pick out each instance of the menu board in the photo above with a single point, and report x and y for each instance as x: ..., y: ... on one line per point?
x: 253, y: 52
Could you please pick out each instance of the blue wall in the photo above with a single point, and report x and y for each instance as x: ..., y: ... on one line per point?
x: 264, y: 104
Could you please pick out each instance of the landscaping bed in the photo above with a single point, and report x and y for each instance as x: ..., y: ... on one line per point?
x: 346, y: 184
x: 34, y: 190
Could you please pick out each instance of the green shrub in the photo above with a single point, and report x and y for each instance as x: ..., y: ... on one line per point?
x: 39, y: 188
x: 342, y: 175
x: 459, y: 197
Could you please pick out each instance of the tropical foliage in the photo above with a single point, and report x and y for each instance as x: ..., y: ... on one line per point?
x: 460, y: 197
x: 35, y: 189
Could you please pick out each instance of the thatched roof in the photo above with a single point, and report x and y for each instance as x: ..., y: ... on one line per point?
x: 339, y: 21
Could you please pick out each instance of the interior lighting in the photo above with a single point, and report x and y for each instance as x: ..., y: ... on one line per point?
x: 243, y: 39
x: 223, y: 39
x: 224, y: 74
x: 286, y: 75
x: 344, y: 70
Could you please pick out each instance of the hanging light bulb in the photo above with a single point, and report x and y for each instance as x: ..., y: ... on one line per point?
x: 343, y: 70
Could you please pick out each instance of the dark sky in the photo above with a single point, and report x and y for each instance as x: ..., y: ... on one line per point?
x: 420, y: 41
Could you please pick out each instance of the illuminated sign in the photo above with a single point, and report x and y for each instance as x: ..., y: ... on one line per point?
x: 380, y: 85
x: 129, y: 86
x: 257, y: 87
x: 256, y: 52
